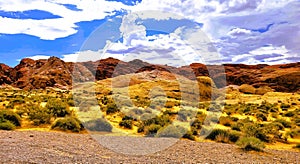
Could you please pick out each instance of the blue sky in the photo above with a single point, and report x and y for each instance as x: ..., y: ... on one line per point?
x: 173, y: 32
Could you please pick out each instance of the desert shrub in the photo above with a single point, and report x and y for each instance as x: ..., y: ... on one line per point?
x: 10, y: 116
x: 224, y: 136
x: 57, y: 107
x: 247, y: 108
x: 248, y: 89
x: 294, y: 133
x: 234, y: 135
x: 236, y: 126
x: 39, y: 115
x: 276, y: 125
x: 272, y: 131
x: 171, y: 104
x: 285, y: 123
x: 226, y: 121
x: 297, y: 121
x: 127, y: 118
x: 255, y: 130
x: 215, y: 132
x: 71, y: 102
x: 170, y: 131
x: 240, y: 124
x: 98, y: 125
x: 289, y: 114
x: 151, y: 130
x: 7, y: 125
x: 250, y: 143
x: 112, y: 108
x: 196, y: 126
x: 189, y: 135
x: 285, y: 106
x: 275, y: 115
x: 170, y: 112
x: 230, y: 108
x: 126, y: 124
x: 67, y: 124
x: 162, y: 120
x: 297, y: 146
x: 261, y: 116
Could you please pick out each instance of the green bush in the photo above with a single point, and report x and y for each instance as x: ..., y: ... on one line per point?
x: 261, y: 116
x: 289, y: 114
x: 98, y: 125
x: 215, y: 132
x: 224, y: 136
x: 112, y: 108
x: 189, y: 135
x: 240, y: 124
x: 256, y: 130
x: 67, y: 124
x: 170, y: 131
x: 10, y: 116
x: 39, y: 115
x: 126, y: 124
x: 285, y: 123
x: 57, y: 107
x: 162, y: 120
x: 7, y: 125
x: 226, y: 121
x: 250, y: 143
x: 285, y: 106
x: 151, y: 130
x: 196, y: 127
x: 234, y: 136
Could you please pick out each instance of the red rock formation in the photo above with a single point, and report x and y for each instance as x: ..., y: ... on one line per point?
x: 54, y: 72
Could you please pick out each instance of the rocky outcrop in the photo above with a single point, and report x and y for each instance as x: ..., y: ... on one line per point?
x: 39, y: 74
x: 5, y: 74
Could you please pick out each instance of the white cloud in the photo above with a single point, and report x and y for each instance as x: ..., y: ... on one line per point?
x: 267, y: 55
x: 37, y: 57
x: 238, y: 32
x: 232, y: 25
x: 50, y: 29
x: 203, y: 11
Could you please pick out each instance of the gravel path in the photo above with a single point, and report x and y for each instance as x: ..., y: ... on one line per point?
x: 57, y: 147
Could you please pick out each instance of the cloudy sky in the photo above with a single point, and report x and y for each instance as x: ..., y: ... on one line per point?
x: 173, y: 32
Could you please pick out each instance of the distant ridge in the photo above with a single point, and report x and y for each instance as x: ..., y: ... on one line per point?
x: 54, y: 72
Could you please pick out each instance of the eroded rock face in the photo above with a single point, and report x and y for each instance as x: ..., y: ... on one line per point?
x: 39, y: 74
x: 5, y: 74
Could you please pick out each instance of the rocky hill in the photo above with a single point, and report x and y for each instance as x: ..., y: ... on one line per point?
x: 39, y: 74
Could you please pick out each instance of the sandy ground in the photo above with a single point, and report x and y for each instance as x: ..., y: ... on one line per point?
x: 58, y: 147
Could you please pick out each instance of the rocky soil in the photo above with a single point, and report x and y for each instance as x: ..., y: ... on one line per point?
x: 58, y: 147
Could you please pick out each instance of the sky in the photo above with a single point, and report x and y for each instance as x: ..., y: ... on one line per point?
x: 173, y: 32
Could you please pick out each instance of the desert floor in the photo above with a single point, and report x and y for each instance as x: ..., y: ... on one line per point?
x: 58, y: 147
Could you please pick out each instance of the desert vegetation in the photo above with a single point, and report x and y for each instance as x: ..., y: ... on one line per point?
x: 249, y: 117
